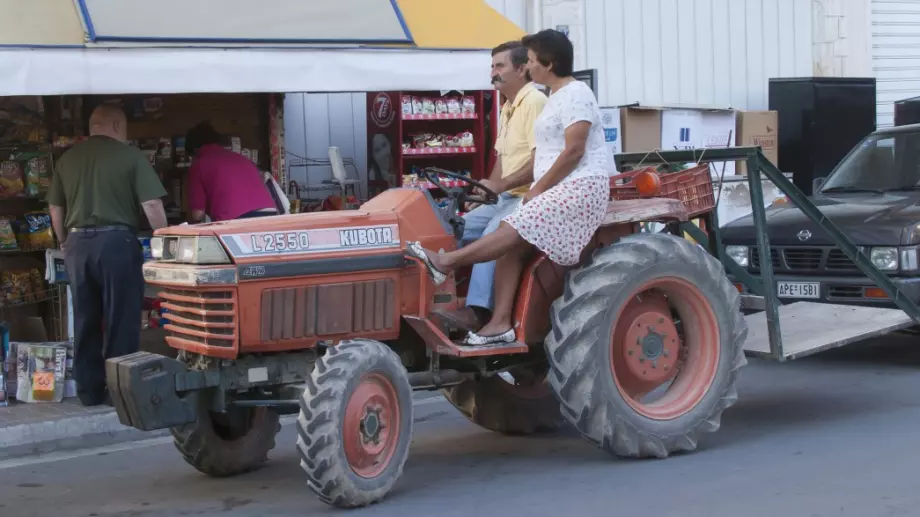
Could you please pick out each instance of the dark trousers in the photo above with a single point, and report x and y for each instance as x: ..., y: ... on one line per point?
x: 107, y: 284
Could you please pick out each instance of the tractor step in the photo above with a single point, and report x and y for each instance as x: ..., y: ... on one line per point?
x: 459, y: 350
x: 436, y: 340
x: 808, y: 328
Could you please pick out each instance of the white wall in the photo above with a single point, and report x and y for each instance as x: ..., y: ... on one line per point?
x: 705, y: 52
x: 895, y: 28
x: 313, y: 122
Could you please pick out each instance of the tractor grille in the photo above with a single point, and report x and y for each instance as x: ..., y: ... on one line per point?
x: 329, y: 309
x: 802, y: 259
x: 201, y: 317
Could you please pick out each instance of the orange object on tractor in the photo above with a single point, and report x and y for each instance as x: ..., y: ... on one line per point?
x: 323, y: 315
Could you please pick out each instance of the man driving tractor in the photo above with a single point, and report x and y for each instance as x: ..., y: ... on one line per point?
x: 514, y: 148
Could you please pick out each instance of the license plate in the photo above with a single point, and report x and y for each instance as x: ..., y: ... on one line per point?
x: 798, y: 290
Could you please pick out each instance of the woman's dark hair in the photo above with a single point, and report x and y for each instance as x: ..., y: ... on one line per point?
x: 200, y: 135
x: 552, y: 48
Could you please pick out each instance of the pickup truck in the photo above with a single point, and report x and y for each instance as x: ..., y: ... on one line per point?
x: 873, y: 196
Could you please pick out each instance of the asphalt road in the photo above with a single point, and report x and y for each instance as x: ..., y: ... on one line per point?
x: 833, y: 435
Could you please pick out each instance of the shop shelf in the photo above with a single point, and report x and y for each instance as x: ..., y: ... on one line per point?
x: 443, y: 116
x: 439, y: 151
x: 32, y: 299
x: 427, y: 185
x: 27, y: 248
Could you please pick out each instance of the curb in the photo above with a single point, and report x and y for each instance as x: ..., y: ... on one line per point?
x: 89, y: 431
x: 69, y: 433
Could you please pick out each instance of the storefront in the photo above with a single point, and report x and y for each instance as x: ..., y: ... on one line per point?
x: 58, y: 61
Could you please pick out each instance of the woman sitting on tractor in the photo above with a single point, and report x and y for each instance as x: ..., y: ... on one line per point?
x: 567, y: 200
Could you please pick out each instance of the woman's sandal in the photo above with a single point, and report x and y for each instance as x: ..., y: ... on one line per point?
x: 474, y: 339
x: 415, y: 249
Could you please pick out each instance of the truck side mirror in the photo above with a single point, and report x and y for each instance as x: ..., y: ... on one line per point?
x: 817, y: 183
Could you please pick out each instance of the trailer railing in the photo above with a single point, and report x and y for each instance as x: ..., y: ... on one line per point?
x: 759, y: 167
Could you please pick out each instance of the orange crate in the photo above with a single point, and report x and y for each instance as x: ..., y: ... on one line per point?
x: 693, y: 187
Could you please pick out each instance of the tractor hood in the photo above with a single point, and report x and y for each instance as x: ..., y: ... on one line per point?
x: 299, y: 236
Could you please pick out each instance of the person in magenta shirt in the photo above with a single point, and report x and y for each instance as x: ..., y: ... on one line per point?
x: 223, y: 184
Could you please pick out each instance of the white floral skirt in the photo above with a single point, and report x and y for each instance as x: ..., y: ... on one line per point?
x: 561, y: 221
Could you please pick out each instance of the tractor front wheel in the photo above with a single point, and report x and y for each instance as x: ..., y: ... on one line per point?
x: 646, y: 346
x: 227, y: 444
x: 355, y: 423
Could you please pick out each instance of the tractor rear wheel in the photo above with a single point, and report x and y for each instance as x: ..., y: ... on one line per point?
x: 355, y: 423
x: 521, y: 404
x: 227, y: 444
x: 650, y: 311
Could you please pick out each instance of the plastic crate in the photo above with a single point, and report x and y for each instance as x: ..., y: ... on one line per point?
x: 692, y: 187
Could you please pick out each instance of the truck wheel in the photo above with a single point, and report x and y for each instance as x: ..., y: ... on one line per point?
x: 523, y: 405
x: 355, y: 423
x: 227, y: 444
x: 652, y: 310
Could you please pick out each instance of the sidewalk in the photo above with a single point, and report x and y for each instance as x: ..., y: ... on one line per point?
x: 28, y: 429
x: 32, y: 429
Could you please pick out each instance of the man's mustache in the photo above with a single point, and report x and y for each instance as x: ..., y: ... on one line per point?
x: 497, y: 79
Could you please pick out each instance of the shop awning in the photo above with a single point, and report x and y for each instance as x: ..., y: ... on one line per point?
x: 177, y: 46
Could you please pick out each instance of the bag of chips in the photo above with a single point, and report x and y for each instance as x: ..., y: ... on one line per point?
x: 11, y: 181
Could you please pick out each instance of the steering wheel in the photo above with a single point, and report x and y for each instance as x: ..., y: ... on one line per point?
x: 431, y: 174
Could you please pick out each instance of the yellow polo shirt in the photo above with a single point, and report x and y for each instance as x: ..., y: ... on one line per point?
x: 516, y: 140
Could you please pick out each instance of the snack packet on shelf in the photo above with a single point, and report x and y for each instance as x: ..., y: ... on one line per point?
x: 8, y: 240
x: 441, y: 106
x: 37, y: 230
x: 453, y: 106
x: 428, y: 106
x: 465, y: 139
x: 37, y: 173
x: 417, y: 105
x: 469, y: 105
x: 11, y: 179
x: 406, y: 105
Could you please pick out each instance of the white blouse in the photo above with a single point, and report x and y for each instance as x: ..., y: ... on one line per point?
x: 572, y: 103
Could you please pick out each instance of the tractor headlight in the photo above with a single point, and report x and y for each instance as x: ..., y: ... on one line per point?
x: 740, y: 254
x: 200, y: 250
x: 886, y: 259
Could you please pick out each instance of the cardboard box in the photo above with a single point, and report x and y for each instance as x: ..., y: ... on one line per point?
x: 647, y: 128
x: 758, y: 129
x: 640, y: 127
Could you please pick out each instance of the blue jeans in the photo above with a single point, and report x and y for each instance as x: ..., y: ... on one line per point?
x: 479, y: 222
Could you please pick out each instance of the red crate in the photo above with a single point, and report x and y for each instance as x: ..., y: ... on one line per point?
x: 693, y: 187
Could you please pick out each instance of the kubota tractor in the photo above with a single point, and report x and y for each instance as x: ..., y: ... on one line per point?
x: 324, y: 316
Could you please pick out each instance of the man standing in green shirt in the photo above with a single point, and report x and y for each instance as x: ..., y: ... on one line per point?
x: 97, y: 192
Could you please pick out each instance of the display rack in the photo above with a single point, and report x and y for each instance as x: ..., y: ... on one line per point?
x: 32, y: 308
x: 396, y: 118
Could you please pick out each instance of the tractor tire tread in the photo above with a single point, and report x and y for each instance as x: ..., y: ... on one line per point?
x: 210, y: 454
x: 318, y: 433
x: 572, y: 346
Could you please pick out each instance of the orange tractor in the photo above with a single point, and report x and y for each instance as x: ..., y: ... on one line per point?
x: 324, y: 315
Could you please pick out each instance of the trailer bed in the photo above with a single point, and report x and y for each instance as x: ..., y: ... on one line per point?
x: 808, y: 328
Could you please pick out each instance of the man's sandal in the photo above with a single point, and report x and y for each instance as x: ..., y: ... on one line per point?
x: 474, y: 339
x: 415, y: 249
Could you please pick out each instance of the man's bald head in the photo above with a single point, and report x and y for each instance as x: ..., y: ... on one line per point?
x: 110, y: 121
